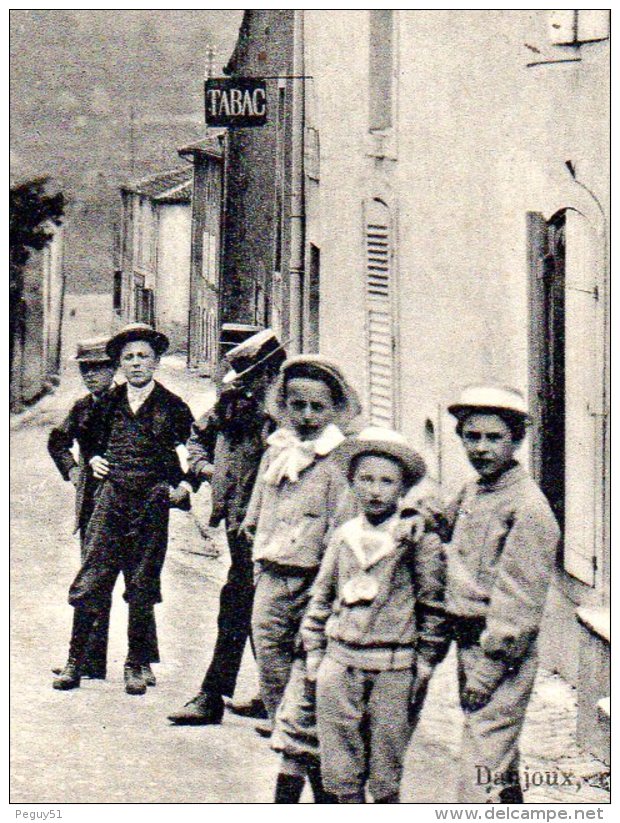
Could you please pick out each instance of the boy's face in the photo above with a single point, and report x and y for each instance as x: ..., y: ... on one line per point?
x: 138, y: 362
x: 309, y: 406
x: 97, y: 377
x: 488, y: 443
x: 378, y: 484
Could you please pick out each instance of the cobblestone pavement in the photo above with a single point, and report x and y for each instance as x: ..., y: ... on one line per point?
x: 97, y: 744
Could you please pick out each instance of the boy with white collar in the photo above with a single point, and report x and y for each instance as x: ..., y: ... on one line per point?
x: 373, y: 620
x: 298, y: 493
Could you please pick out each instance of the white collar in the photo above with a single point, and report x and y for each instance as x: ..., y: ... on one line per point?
x: 138, y: 394
x: 370, y: 543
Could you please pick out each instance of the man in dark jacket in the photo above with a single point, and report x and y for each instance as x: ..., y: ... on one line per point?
x: 97, y: 370
x: 133, y: 440
x: 225, y: 449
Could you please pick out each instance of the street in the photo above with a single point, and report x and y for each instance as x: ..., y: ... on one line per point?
x: 97, y: 744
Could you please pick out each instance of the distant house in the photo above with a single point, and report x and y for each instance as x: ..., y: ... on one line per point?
x: 204, y: 280
x: 36, y: 357
x: 152, y: 279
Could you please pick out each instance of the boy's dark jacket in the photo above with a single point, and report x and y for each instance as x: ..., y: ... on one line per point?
x: 228, y: 442
x: 75, y: 428
x: 165, y: 420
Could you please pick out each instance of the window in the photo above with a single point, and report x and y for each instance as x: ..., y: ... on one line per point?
x: 118, y: 291
x: 379, y: 320
x: 380, y: 56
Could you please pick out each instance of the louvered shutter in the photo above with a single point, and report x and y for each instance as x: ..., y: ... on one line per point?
x: 380, y: 324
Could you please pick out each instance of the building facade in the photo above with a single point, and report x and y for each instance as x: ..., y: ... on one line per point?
x: 205, y: 253
x: 456, y: 230
x: 37, y: 353
x: 152, y: 278
x: 258, y: 212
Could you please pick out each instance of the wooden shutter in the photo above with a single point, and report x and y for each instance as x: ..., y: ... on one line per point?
x: 380, y: 323
x: 583, y: 399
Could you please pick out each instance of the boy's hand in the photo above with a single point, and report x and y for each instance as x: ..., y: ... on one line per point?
x: 410, y: 527
x: 179, y: 496
x: 100, y: 467
x: 473, y: 699
x: 313, y: 662
x: 74, y: 476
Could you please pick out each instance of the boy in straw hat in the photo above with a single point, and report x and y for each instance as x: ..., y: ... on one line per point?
x: 225, y: 449
x: 299, y: 490
x: 133, y: 441
x: 371, y: 630
x: 502, y: 545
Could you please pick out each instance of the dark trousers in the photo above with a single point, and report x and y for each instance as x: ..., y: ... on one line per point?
x: 96, y: 653
x: 128, y: 533
x: 233, y: 620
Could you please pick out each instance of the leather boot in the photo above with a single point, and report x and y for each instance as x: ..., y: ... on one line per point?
x: 203, y: 710
x: 69, y: 677
x: 134, y: 679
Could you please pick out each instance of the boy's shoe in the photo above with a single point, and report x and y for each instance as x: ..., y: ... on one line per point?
x: 149, y: 675
x: 69, y: 677
x: 264, y: 729
x: 254, y: 708
x: 203, y: 710
x: 134, y: 679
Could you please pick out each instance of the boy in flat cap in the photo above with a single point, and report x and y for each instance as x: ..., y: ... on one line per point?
x: 225, y: 449
x: 372, y: 630
x: 97, y: 371
x: 133, y: 441
x: 503, y: 541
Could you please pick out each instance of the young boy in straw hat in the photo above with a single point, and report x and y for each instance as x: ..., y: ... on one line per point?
x: 299, y: 490
x: 372, y: 622
x: 503, y: 540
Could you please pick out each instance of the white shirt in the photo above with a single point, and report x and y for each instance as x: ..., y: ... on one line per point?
x: 136, y: 395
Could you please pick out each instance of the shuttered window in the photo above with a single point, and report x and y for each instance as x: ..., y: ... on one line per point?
x: 380, y: 323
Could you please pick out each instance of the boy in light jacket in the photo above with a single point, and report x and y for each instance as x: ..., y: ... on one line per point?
x: 372, y: 631
x: 502, y: 545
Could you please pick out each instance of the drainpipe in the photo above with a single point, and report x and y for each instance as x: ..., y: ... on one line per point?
x: 297, y: 217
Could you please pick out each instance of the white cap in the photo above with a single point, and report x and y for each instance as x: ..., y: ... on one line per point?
x: 500, y: 398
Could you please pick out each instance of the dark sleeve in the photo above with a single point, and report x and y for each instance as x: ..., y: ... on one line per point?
x: 183, y: 423
x: 429, y: 583
x: 60, y: 442
x: 201, y: 446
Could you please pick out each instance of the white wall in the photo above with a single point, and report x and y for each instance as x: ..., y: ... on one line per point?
x: 173, y: 272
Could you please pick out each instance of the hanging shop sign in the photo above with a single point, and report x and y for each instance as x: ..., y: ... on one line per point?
x: 238, y: 102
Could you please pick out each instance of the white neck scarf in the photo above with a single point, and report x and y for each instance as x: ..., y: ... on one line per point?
x: 136, y: 395
x: 293, y: 455
x: 370, y: 543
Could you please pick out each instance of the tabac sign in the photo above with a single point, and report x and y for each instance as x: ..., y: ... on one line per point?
x: 239, y: 102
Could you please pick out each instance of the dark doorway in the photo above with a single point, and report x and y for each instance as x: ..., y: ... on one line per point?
x: 548, y: 353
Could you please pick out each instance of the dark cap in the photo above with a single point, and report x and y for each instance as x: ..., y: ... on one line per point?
x: 133, y: 332
x: 93, y: 351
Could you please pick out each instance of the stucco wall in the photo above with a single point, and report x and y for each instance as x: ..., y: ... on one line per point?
x: 173, y: 264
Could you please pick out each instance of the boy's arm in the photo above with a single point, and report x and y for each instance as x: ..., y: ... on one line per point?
x: 201, y: 448
x: 60, y: 442
x: 251, y: 516
x: 321, y: 601
x: 520, y: 589
x: 429, y: 583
